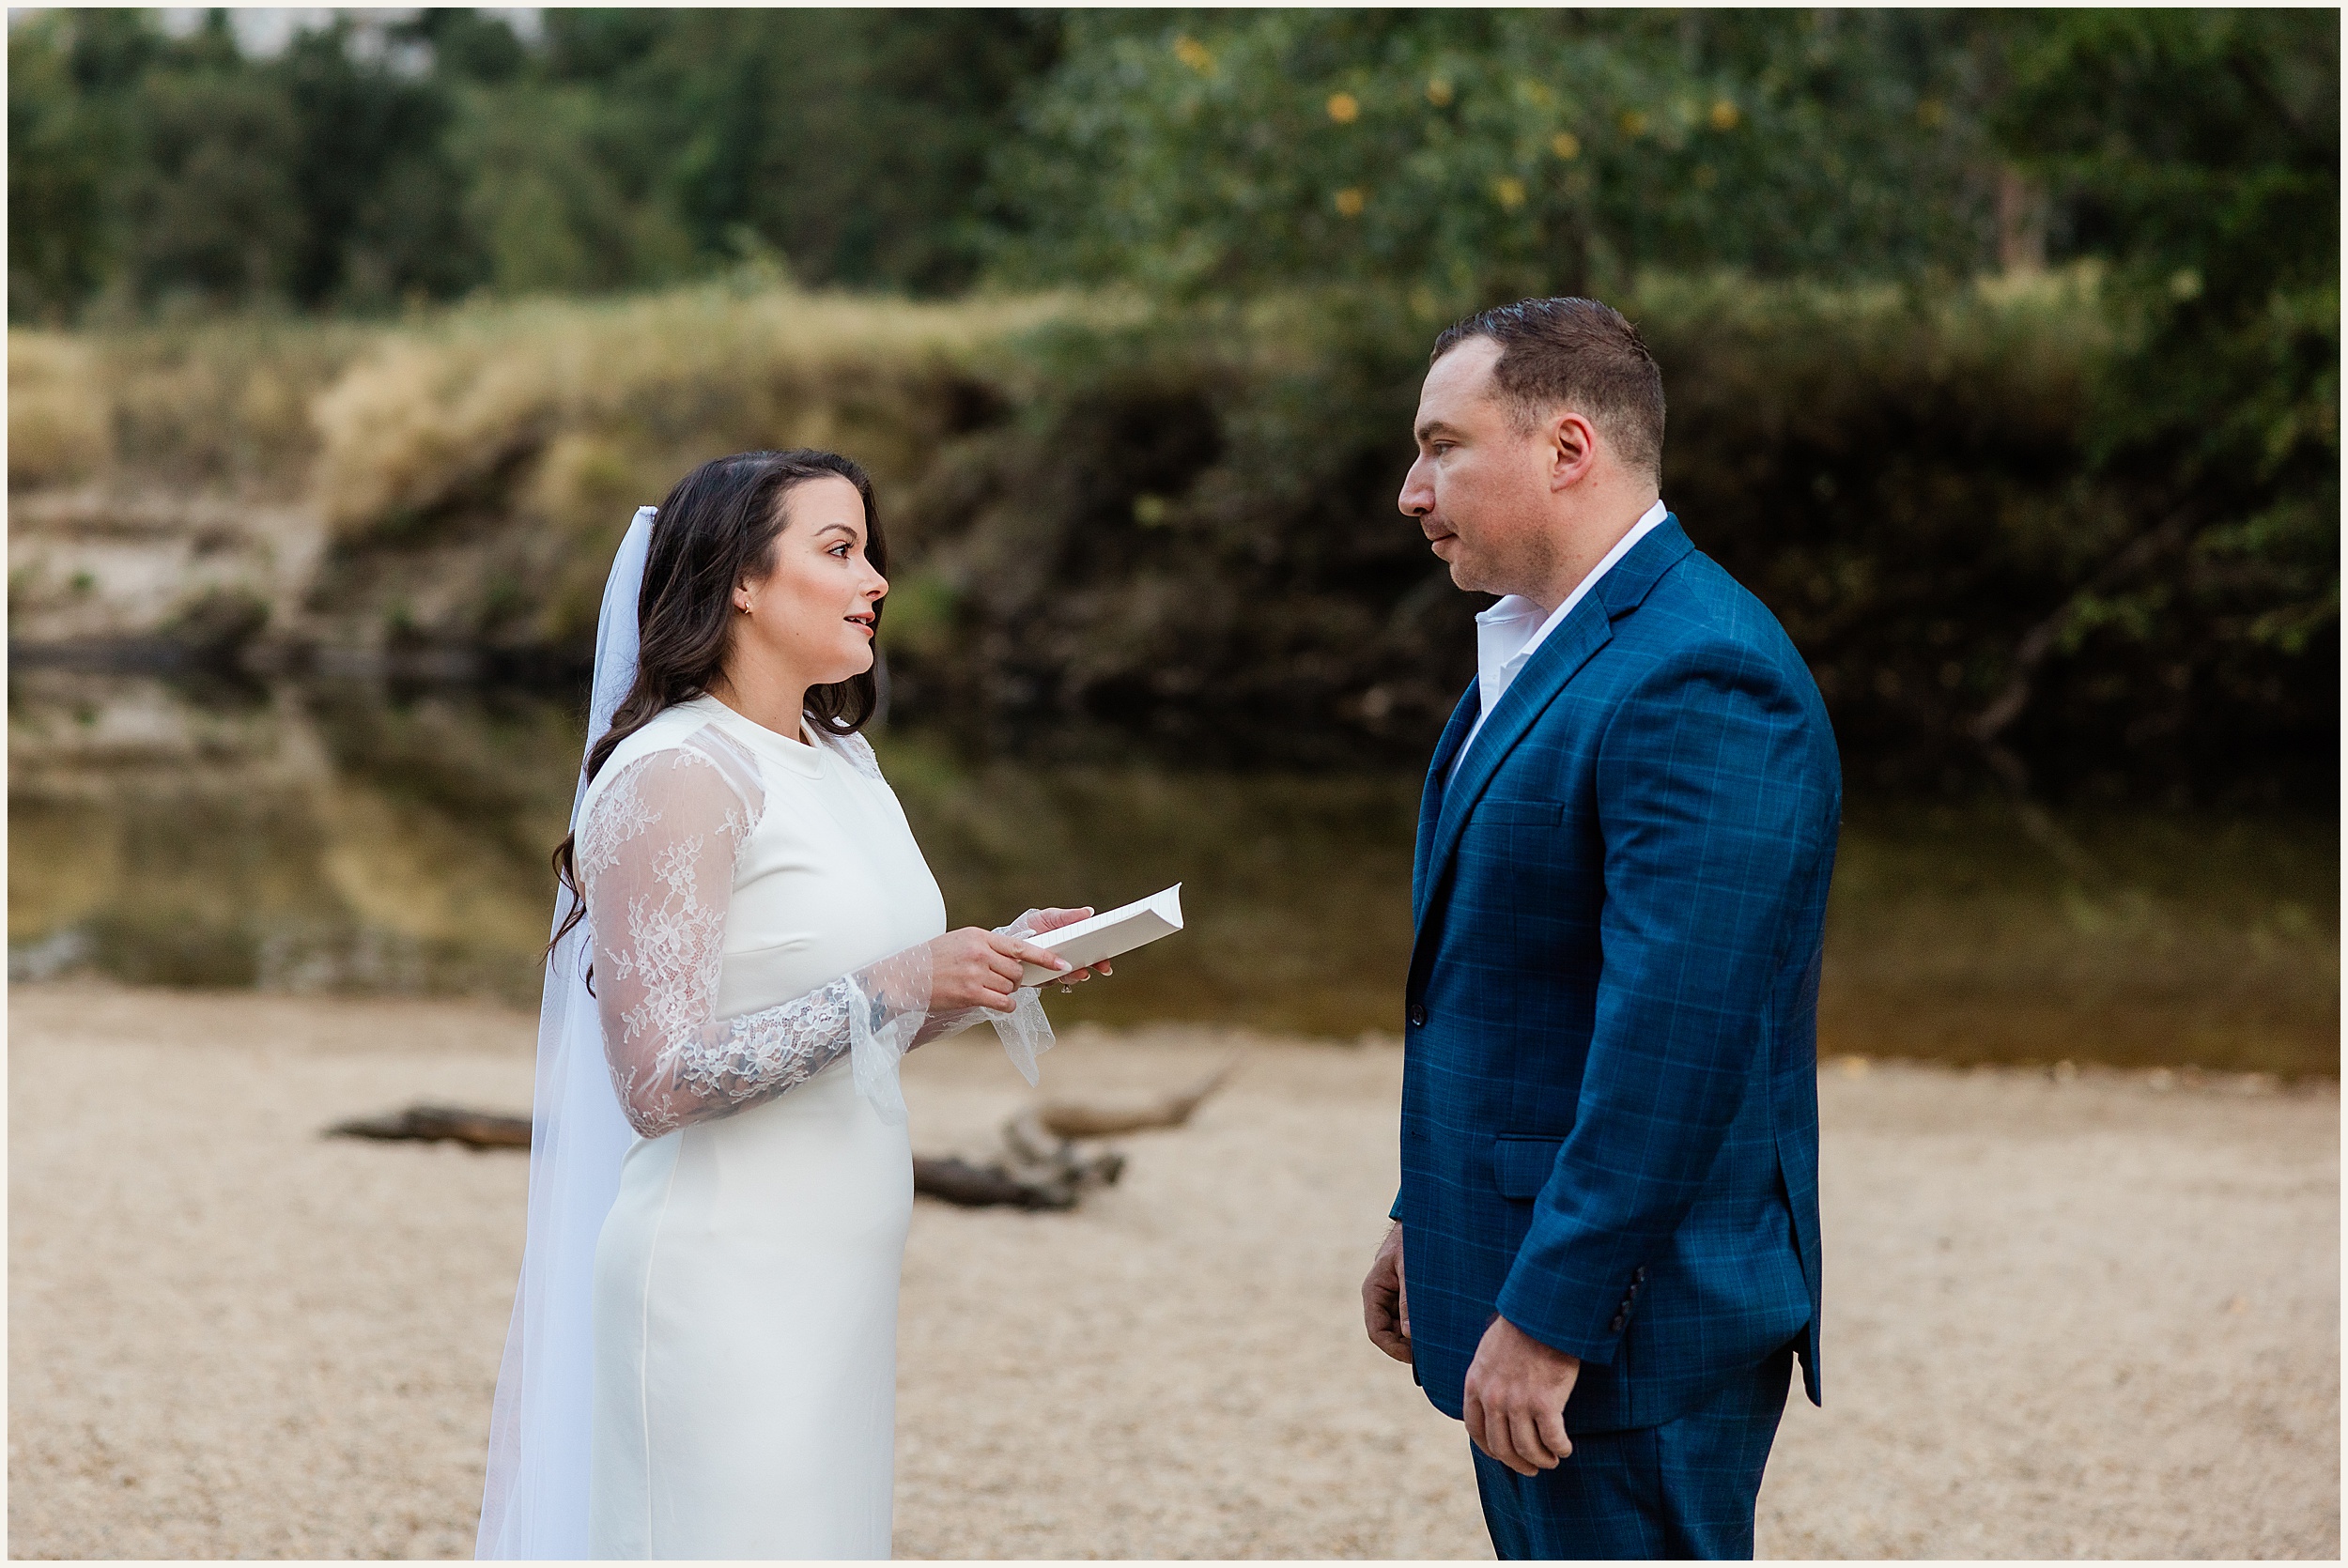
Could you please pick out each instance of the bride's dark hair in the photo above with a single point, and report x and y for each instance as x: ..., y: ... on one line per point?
x: 718, y: 528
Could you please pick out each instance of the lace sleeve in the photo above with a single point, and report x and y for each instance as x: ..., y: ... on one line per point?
x: 656, y: 859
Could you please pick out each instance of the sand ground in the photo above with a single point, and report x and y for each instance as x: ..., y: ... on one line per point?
x: 2096, y: 1316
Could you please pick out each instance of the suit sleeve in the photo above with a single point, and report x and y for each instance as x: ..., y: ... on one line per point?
x: 1711, y: 830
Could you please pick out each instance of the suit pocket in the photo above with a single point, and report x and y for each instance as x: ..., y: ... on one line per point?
x: 1519, y: 813
x: 1521, y: 1163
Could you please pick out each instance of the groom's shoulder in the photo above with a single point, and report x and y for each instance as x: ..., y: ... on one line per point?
x: 1696, y: 603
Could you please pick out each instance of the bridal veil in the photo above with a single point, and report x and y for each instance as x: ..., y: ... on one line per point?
x: 534, y: 1501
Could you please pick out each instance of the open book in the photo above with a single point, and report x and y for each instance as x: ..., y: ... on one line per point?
x: 1104, y: 936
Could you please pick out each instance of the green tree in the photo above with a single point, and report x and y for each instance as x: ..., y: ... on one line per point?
x: 373, y: 163
x: 1468, y: 154
x: 852, y: 142
x: 2195, y: 153
x: 381, y: 201
x: 212, y: 206
x: 61, y: 163
x: 553, y: 210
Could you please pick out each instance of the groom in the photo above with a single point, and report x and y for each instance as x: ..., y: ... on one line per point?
x: 1610, y: 1128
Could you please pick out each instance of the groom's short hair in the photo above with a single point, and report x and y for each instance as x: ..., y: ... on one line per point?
x: 1573, y: 353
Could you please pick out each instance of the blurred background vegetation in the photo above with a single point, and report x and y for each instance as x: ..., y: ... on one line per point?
x: 2002, y: 348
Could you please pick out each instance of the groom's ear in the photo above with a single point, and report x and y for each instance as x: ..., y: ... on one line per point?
x: 1571, y: 444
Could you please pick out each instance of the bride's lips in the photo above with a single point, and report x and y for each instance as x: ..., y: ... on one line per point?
x: 862, y: 622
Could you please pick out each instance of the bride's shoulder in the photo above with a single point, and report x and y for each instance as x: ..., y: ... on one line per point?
x: 680, y: 743
x: 853, y: 748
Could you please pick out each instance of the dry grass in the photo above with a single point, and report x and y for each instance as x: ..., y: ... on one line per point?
x: 60, y: 431
x: 221, y: 407
x: 434, y: 411
x: 462, y: 474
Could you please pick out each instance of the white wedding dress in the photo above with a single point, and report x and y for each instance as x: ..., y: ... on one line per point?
x: 746, y: 893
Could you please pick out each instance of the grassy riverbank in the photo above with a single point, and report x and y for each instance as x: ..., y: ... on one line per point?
x: 1173, y: 521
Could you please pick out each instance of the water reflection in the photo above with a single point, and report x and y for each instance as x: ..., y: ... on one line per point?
x: 338, y: 836
x: 292, y: 838
x: 345, y: 837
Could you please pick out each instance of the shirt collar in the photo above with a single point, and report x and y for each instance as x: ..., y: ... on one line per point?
x: 1512, y: 630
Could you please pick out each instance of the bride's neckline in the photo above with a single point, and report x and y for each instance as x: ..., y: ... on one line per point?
x: 803, y: 751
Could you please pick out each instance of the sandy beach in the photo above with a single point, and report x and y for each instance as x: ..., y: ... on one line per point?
x: 2094, y: 1315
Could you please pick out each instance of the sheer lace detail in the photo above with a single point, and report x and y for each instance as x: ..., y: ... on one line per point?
x: 620, y: 815
x: 854, y: 748
x: 657, y: 853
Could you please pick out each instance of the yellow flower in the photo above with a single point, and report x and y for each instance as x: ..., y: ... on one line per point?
x: 1508, y: 192
x: 1565, y: 145
x: 1724, y: 115
x: 1350, y: 201
x: 1704, y: 177
x: 1196, y: 56
x: 1344, y: 108
x: 1930, y: 111
x: 1439, y: 92
x: 1633, y: 123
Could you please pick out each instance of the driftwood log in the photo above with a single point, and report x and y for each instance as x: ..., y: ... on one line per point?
x: 433, y: 1124
x: 1041, y: 1166
x: 1069, y: 1119
x: 1000, y: 1183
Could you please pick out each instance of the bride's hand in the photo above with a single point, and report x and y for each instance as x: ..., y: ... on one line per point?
x: 971, y: 968
x: 1041, y: 920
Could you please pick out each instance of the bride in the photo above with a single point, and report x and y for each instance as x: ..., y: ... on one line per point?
x: 702, y: 1356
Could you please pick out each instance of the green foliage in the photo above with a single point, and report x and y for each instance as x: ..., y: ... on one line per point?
x: 1473, y: 155
x: 554, y: 216
x: 2085, y: 519
x: 1190, y: 529
x: 158, y: 170
x: 58, y: 163
x: 851, y: 142
x: 2198, y: 153
x: 372, y: 164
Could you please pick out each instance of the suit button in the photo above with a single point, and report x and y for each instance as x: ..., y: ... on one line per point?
x: 1418, y: 1015
x: 1620, y: 1319
x: 1639, y: 1274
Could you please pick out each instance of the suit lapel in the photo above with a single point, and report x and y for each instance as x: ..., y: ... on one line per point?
x: 1554, y: 665
x: 1431, y: 797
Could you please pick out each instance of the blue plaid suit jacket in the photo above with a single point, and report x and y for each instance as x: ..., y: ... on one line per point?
x: 1610, y: 1115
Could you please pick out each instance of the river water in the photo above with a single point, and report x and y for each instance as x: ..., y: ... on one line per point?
x: 346, y: 837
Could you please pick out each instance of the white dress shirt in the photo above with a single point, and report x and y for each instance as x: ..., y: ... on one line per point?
x: 1508, y: 633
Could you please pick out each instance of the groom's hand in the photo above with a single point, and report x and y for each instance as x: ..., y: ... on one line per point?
x: 1517, y: 1390
x: 1386, y: 1300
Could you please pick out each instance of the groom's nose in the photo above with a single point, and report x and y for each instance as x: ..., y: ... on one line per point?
x: 1418, y: 492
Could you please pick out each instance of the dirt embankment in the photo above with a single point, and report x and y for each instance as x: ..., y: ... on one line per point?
x: 439, y: 497
x: 2096, y: 1316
